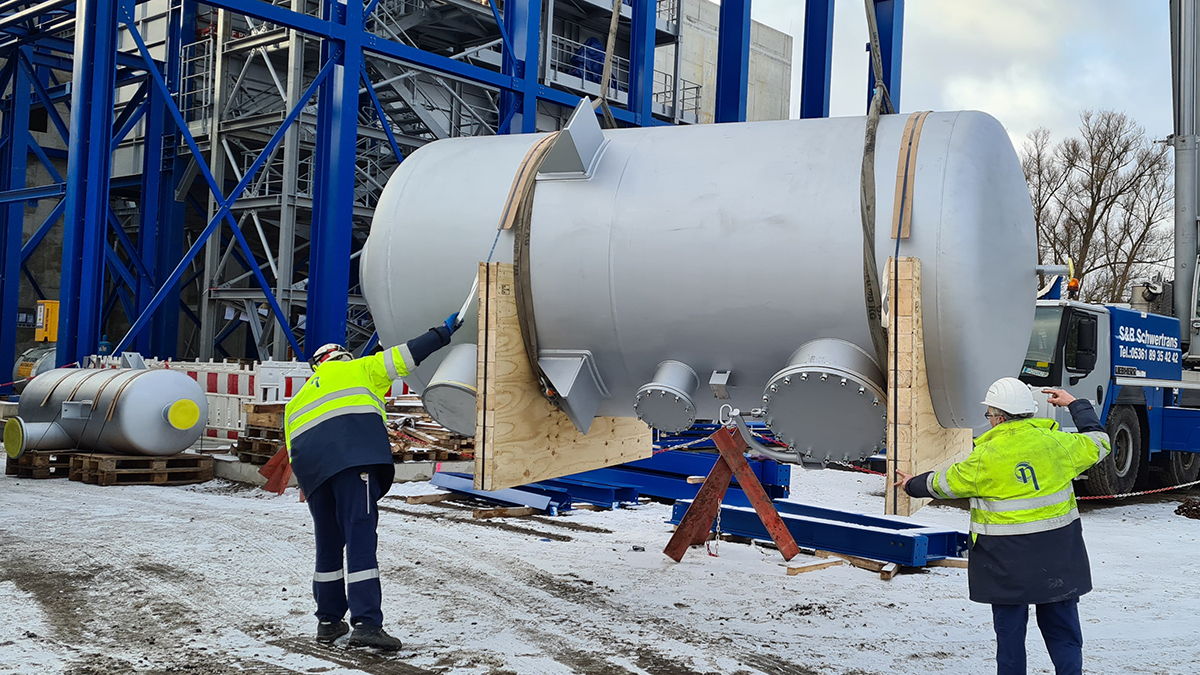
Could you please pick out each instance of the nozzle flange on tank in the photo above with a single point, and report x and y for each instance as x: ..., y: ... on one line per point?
x: 449, y: 397
x: 828, y: 403
x: 665, y: 402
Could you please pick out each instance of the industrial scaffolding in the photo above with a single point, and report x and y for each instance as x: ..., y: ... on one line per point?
x: 223, y: 159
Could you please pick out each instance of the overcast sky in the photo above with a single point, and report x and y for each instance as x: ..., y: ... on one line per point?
x: 1029, y: 63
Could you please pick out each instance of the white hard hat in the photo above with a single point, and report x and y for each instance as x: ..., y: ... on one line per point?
x: 330, y: 352
x: 1012, y: 396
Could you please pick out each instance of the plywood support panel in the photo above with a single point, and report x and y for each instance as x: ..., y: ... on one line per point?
x: 916, y: 442
x: 520, y: 436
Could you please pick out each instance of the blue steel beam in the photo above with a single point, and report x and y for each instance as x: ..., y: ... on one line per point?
x: 88, y: 172
x: 900, y: 541
x: 383, y: 118
x: 889, y: 14
x: 13, y: 163
x: 662, y: 486
x: 641, y: 60
x: 40, y: 233
x: 733, y: 61
x: 816, y: 73
x: 30, y: 194
x: 333, y: 193
x: 46, y: 99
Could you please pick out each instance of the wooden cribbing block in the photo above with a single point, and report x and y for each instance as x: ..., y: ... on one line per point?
x: 916, y: 442
x: 429, y: 499
x: 960, y: 563
x: 520, y: 437
x: 696, y: 525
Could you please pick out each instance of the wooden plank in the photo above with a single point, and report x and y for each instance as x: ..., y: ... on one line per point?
x: 525, y: 437
x: 889, y: 570
x: 960, y: 563
x: 917, y: 442
x: 793, y: 570
x: 861, y: 563
x: 505, y: 512
x: 265, y: 420
x: 430, y: 499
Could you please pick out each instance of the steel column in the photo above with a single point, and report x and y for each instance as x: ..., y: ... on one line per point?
x: 13, y: 163
x: 88, y: 172
x: 817, y: 67
x: 523, y: 20
x: 733, y: 61
x: 333, y: 198
x: 641, y: 60
x: 890, y: 16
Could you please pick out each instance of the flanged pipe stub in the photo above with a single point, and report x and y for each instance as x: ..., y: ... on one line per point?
x: 828, y: 403
x: 665, y: 403
x: 449, y: 397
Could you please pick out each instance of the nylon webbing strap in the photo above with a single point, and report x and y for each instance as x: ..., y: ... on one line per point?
x: 518, y: 214
x: 906, y: 172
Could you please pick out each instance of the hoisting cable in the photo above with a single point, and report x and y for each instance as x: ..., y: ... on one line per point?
x: 880, y: 103
x: 610, y: 122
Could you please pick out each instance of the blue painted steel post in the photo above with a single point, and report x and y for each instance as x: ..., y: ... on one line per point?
x: 333, y: 207
x: 817, y: 66
x: 733, y: 61
x: 12, y: 215
x: 88, y: 171
x: 889, y: 14
x: 164, y: 328
x: 148, y: 217
x: 523, y: 21
x: 641, y: 60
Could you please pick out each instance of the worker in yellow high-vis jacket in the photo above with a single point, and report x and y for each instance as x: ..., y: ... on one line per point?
x: 339, y: 449
x: 1026, y: 539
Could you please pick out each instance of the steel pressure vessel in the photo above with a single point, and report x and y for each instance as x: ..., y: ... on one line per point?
x: 124, y: 411
x: 725, y: 248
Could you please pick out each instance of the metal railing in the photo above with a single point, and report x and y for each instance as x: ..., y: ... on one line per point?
x: 586, y: 62
x: 688, y: 104
x: 668, y: 9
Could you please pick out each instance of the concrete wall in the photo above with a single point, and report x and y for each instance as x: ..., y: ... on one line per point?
x: 768, y: 95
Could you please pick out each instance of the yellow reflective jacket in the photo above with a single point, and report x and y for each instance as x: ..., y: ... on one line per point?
x: 1019, y: 475
x: 1026, y: 537
x: 336, y: 420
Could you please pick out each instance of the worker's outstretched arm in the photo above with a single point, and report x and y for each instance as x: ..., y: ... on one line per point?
x: 397, y: 362
x: 956, y: 482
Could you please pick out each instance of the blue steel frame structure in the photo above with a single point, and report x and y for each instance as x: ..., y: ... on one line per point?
x: 817, y: 72
x: 149, y: 286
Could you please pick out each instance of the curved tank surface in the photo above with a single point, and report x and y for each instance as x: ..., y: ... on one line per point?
x: 117, y: 410
x: 726, y: 248
x: 31, y: 363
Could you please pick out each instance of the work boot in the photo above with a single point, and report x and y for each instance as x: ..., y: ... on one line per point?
x: 328, y: 631
x: 373, y: 636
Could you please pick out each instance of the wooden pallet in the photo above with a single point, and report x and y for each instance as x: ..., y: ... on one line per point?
x: 40, y: 464
x: 262, y: 433
x: 255, y: 457
x: 264, y: 415
x: 258, y: 446
x: 181, y: 469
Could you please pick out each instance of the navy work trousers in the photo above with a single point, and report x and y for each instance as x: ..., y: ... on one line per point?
x: 344, y: 520
x: 1059, y: 623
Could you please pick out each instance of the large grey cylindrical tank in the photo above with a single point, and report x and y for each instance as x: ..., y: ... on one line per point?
x: 124, y: 411
x: 724, y: 247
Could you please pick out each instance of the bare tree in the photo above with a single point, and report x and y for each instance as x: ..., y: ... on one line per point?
x: 1103, y: 199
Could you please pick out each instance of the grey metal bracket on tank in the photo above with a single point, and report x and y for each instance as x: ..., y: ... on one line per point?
x: 827, y: 404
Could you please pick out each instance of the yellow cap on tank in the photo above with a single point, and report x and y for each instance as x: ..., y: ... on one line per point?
x: 14, y: 437
x: 183, y: 414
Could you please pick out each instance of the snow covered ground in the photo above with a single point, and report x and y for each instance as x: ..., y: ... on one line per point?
x: 214, y: 580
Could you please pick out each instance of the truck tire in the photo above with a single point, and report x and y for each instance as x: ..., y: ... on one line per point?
x: 1118, y: 472
x: 1180, y: 468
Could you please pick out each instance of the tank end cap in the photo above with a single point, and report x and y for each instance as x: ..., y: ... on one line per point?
x: 14, y: 437
x: 182, y: 414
